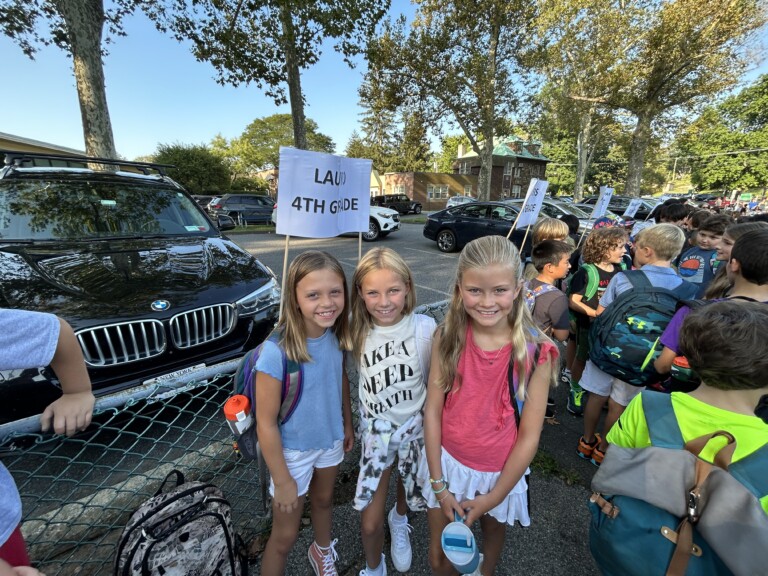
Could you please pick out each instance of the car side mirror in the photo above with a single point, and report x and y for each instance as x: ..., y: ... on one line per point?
x: 225, y: 222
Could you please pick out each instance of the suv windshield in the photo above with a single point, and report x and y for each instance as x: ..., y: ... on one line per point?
x: 76, y: 209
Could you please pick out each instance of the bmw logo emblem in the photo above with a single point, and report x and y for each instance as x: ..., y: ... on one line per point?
x: 160, y: 305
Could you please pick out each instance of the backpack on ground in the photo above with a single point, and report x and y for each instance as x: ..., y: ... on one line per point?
x: 624, y: 339
x: 664, y: 510
x: 185, y: 531
x: 244, y: 382
x: 530, y: 294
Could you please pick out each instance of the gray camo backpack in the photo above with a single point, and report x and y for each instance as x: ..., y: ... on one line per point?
x: 185, y: 531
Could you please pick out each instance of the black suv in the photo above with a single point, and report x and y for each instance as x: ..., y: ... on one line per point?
x: 245, y: 208
x: 152, y: 289
x: 399, y: 202
x: 619, y: 204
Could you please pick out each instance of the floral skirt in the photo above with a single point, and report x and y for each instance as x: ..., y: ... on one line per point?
x: 466, y: 483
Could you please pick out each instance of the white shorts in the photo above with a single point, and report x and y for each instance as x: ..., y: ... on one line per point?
x: 302, y: 464
x: 598, y: 382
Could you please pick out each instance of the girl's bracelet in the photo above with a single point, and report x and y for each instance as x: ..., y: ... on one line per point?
x: 440, y: 500
x: 433, y: 481
x: 443, y: 489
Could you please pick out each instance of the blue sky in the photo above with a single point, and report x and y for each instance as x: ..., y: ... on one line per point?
x: 158, y: 93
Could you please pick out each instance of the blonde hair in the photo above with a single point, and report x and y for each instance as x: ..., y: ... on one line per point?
x: 666, y: 240
x: 376, y: 259
x: 291, y: 327
x: 478, y: 255
x: 549, y: 229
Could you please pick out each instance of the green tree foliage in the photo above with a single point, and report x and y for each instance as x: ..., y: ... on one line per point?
x: 377, y: 122
x: 196, y: 168
x: 258, y: 148
x: 648, y: 57
x: 459, y: 60
x: 75, y: 26
x: 413, y: 152
x: 738, y: 123
x: 269, y: 42
x: 449, y: 151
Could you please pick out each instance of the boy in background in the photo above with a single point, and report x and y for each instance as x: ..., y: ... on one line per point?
x: 550, y: 308
x: 655, y: 247
x: 697, y: 264
x: 545, y: 229
x: 603, y: 253
x: 724, y: 343
x: 29, y: 340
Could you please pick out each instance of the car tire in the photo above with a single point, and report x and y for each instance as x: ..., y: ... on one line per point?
x: 373, y: 231
x: 417, y: 210
x: 446, y: 241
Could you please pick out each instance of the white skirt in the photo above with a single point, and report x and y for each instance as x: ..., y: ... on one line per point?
x: 466, y: 483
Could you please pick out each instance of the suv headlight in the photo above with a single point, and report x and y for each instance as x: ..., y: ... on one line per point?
x: 263, y: 298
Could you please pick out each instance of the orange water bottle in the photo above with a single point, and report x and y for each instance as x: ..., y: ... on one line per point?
x: 237, y: 411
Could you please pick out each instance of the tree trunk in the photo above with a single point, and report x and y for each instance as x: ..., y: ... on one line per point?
x: 295, y: 97
x: 582, y: 153
x: 486, y: 166
x: 640, y: 139
x: 84, y: 21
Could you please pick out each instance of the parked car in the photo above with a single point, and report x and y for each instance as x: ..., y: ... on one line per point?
x: 555, y: 209
x: 399, y: 202
x: 619, y: 204
x: 459, y: 200
x: 150, y: 286
x: 202, y: 201
x: 453, y: 227
x: 245, y: 208
x: 381, y: 222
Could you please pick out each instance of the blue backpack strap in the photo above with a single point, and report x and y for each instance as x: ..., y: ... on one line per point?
x: 638, y: 279
x: 293, y: 382
x: 663, y: 428
x: 752, y: 471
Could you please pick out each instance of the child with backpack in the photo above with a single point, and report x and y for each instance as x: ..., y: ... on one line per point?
x: 697, y: 264
x: 392, y: 349
x: 655, y: 247
x: 545, y: 229
x: 304, y: 453
x: 548, y: 305
x: 29, y: 340
x: 488, y: 359
x: 721, y: 285
x: 721, y: 509
x: 602, y: 257
x: 747, y: 269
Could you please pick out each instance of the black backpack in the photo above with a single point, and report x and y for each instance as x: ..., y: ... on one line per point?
x: 624, y: 339
x: 183, y: 531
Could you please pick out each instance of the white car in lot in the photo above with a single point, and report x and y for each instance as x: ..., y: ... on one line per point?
x: 381, y: 222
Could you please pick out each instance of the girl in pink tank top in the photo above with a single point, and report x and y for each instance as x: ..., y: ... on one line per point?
x: 479, y: 441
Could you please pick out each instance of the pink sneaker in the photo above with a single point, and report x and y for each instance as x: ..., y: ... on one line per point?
x: 323, y: 560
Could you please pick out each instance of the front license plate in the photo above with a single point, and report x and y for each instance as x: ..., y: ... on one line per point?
x: 174, y: 375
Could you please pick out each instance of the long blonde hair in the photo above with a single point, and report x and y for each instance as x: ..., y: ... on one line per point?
x: 291, y: 327
x: 376, y: 259
x: 477, y: 255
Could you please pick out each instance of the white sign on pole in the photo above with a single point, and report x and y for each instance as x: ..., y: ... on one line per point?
x: 633, y: 207
x: 602, y: 202
x: 640, y: 226
x: 531, y: 207
x: 322, y: 195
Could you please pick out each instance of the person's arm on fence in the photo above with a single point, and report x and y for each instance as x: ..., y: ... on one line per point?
x: 73, y: 411
x: 7, y: 570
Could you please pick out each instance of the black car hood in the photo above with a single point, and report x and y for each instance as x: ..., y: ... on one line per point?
x: 112, y: 279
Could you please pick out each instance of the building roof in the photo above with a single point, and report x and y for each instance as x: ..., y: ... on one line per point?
x: 13, y: 142
x: 506, y: 147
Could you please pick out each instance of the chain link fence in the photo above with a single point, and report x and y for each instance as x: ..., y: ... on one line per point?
x: 77, y: 493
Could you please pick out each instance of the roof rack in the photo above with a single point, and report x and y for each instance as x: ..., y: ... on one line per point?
x: 18, y: 159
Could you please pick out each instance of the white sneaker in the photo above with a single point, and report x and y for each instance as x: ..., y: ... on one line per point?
x: 365, y: 572
x: 399, y: 532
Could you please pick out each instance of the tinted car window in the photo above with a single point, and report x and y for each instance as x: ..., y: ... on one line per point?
x: 54, y: 210
x: 473, y: 211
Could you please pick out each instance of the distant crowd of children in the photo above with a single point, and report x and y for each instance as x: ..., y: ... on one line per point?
x: 452, y: 414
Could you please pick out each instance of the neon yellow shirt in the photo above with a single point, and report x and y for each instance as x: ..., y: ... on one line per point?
x: 695, y: 419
